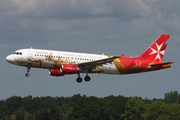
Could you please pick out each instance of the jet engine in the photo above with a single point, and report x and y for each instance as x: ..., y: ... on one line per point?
x: 64, y: 69
x: 56, y: 72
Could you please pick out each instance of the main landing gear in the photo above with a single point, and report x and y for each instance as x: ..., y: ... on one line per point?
x: 28, y: 70
x: 86, y: 78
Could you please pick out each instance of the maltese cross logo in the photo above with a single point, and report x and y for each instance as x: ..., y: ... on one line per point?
x: 157, y: 51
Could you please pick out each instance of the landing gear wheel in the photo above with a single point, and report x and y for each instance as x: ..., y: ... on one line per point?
x: 27, y: 74
x: 79, y: 79
x: 87, y: 78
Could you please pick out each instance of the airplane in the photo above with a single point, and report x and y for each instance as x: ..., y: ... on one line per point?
x: 62, y: 63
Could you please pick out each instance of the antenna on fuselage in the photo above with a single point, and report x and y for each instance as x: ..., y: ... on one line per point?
x: 31, y: 47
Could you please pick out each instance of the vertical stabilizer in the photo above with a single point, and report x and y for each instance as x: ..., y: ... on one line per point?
x: 156, y: 50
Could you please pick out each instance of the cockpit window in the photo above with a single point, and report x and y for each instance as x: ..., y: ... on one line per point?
x: 18, y: 53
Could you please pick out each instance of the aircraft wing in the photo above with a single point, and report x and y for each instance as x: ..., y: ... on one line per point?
x: 93, y: 64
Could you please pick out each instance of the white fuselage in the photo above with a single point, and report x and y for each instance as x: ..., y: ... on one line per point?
x: 50, y: 59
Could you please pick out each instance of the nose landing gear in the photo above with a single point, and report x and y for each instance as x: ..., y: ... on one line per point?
x: 28, y: 70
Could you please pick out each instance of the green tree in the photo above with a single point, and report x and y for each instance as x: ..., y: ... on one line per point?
x: 12, y: 104
x: 86, y: 108
x: 2, y: 112
x: 112, y: 107
x: 174, y: 110
x: 66, y: 111
x: 172, y: 97
x: 80, y: 107
x: 29, y: 116
x: 157, y: 110
x: 11, y: 117
x: 54, y: 112
x: 42, y: 114
x: 28, y: 104
x: 134, y: 110
x: 20, y: 114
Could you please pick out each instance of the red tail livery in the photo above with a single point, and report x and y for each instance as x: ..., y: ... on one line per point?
x: 156, y: 50
x: 149, y: 60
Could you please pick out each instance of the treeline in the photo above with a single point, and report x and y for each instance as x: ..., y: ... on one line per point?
x: 84, y: 107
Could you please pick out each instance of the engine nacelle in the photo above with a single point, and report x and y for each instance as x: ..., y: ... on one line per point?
x: 64, y: 69
x: 55, y: 72
x: 69, y: 68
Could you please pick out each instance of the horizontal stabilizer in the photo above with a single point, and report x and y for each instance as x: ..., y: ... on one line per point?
x: 160, y: 64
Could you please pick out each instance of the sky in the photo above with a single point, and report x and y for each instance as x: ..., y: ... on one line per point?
x: 112, y: 27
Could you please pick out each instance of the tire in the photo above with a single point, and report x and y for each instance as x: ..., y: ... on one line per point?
x: 27, y: 74
x: 79, y: 79
x: 87, y: 78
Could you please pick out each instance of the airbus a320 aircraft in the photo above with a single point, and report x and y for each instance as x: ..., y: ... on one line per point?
x: 62, y: 63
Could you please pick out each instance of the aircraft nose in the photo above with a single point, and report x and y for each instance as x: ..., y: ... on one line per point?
x: 9, y: 59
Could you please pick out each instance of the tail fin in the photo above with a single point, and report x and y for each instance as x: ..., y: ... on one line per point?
x: 156, y: 50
